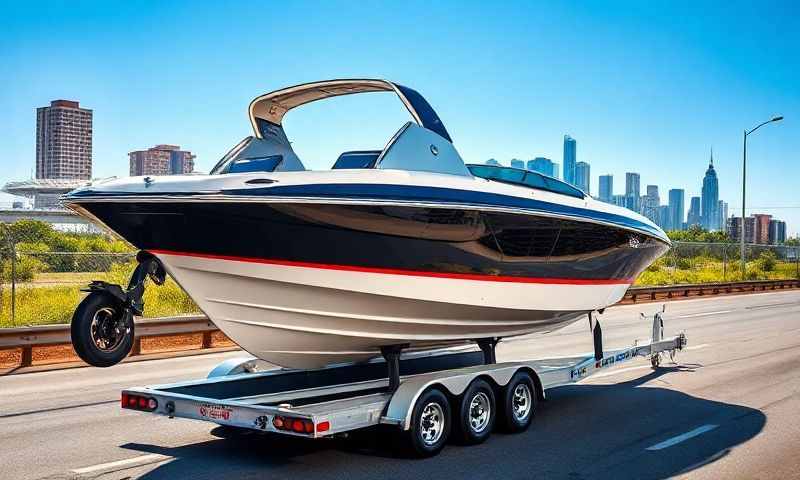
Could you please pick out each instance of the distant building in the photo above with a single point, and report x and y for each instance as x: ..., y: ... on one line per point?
x: 492, y: 161
x: 735, y: 229
x: 556, y: 170
x: 618, y: 200
x: 762, y: 228
x: 694, y: 216
x: 777, y: 232
x: 63, y: 141
x: 516, y: 163
x: 722, y: 213
x: 632, y: 191
x: 570, y: 157
x: 541, y: 165
x: 663, y: 217
x: 161, y: 160
x: 676, y: 208
x: 650, y: 204
x: 606, y: 188
x: 709, y: 204
x: 582, y: 176
x: 45, y: 192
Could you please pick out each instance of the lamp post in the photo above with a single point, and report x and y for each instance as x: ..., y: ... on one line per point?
x: 744, y: 185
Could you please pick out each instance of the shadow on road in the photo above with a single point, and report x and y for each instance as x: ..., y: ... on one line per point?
x: 582, y: 431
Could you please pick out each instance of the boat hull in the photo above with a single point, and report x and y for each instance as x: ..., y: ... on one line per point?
x: 309, y: 283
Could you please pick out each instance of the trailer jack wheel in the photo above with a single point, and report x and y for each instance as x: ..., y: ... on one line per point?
x: 102, y: 325
x: 655, y: 360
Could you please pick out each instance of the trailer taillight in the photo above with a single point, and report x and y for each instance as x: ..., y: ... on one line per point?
x: 138, y: 402
x: 296, y: 425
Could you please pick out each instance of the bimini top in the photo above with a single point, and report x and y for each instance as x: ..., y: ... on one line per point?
x: 274, y: 105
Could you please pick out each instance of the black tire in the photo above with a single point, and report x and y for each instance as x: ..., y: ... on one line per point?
x: 112, y: 325
x: 476, y: 413
x: 518, y: 403
x: 418, y: 439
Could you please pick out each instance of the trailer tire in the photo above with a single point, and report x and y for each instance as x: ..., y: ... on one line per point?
x: 101, y: 330
x: 430, y: 424
x: 476, y: 413
x: 518, y: 405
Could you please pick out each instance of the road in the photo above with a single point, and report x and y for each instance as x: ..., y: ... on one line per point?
x: 728, y: 409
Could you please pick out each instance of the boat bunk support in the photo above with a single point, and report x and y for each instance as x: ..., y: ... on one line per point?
x: 391, y: 353
x: 488, y: 347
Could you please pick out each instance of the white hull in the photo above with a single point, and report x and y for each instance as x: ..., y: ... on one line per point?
x: 304, y: 317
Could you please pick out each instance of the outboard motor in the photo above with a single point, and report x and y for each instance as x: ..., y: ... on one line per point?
x: 102, y: 327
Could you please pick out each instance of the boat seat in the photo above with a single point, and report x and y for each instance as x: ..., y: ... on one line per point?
x: 357, y: 159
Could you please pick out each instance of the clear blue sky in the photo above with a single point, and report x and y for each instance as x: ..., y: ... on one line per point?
x: 642, y: 86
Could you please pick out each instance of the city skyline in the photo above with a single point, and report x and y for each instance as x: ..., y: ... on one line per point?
x: 631, y: 109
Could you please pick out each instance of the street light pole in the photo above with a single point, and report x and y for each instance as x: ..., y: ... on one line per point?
x: 744, y: 187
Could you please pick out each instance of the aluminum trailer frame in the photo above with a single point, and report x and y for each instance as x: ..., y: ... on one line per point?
x: 234, y: 396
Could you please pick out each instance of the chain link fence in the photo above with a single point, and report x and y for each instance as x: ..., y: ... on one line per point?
x: 42, y: 271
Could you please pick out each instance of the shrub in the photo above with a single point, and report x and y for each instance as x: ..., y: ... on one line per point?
x: 767, y: 260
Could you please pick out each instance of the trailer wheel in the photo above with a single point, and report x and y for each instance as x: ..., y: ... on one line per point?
x: 101, y: 330
x: 518, y: 403
x: 476, y: 413
x: 430, y: 424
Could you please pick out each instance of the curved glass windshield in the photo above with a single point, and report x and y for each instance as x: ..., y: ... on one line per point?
x: 525, y: 178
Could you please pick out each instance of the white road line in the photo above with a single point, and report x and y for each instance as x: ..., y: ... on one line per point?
x: 704, y: 314
x: 122, y: 464
x: 683, y: 437
x: 621, y: 370
x: 697, y: 347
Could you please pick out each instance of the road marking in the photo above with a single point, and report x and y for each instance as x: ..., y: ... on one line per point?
x: 704, y: 314
x: 621, y: 370
x: 683, y: 437
x: 697, y: 347
x: 123, y: 464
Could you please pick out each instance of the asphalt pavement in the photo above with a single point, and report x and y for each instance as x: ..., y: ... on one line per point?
x: 727, y: 409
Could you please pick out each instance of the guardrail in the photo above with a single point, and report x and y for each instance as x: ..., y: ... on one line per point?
x: 28, y: 338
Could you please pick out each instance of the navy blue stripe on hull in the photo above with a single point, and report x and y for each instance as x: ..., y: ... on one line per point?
x: 438, y: 240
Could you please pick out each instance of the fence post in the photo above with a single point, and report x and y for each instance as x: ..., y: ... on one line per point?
x: 13, y: 283
x: 724, y: 263
x: 797, y: 262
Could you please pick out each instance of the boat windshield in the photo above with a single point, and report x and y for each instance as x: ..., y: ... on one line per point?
x: 527, y: 178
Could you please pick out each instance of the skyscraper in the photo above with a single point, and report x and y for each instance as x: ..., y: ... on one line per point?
x: 582, y: 176
x: 693, y: 217
x: 606, y: 188
x: 618, y: 200
x: 516, y: 163
x: 663, y: 217
x: 541, y: 165
x: 777, y: 232
x: 650, y: 204
x: 570, y: 156
x: 492, y: 161
x: 64, y: 141
x: 161, y: 160
x: 676, y: 209
x: 632, y: 191
x: 556, y: 170
x: 710, y: 198
x: 722, y: 215
x: 762, y: 228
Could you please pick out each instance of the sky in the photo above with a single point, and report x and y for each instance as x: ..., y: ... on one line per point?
x: 647, y: 87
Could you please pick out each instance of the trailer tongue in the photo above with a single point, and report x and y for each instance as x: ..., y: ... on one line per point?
x: 430, y: 396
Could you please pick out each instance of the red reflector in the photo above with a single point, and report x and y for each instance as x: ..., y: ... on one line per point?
x: 152, y: 404
x: 323, y: 426
x: 142, y: 402
x: 309, y: 426
x: 297, y: 426
x: 278, y: 422
x: 131, y: 401
x: 124, y: 400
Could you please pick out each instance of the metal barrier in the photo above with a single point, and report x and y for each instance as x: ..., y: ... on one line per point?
x: 28, y: 338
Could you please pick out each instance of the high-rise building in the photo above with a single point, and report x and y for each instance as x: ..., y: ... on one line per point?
x: 710, y: 198
x: 582, y: 176
x: 632, y: 191
x: 650, y: 203
x: 492, y: 161
x: 541, y: 165
x: 735, y: 229
x: 676, y: 208
x: 570, y: 157
x: 762, y: 228
x: 618, y: 200
x: 516, y: 163
x: 556, y: 170
x: 722, y: 214
x: 161, y: 160
x: 777, y: 232
x: 606, y: 188
x: 694, y: 216
x: 663, y: 217
x: 64, y: 141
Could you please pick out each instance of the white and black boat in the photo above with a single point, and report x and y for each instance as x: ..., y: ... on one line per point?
x: 406, y: 245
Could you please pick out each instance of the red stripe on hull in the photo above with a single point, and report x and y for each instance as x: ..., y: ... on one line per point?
x: 413, y: 273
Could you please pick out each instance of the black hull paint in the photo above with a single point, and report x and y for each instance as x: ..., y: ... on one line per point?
x: 437, y: 240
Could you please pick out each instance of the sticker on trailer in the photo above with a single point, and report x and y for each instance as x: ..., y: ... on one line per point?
x: 215, y: 412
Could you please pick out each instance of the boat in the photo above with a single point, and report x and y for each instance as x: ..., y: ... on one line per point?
x: 407, y: 245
